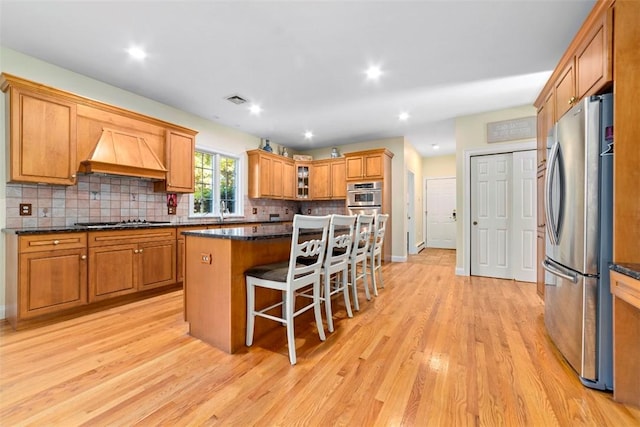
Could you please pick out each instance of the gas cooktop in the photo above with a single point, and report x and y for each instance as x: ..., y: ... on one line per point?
x: 121, y: 224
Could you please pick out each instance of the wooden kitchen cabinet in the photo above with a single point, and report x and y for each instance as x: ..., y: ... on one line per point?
x: 338, y: 179
x: 288, y: 180
x: 328, y: 179
x: 626, y: 345
x: 320, y: 181
x: 303, y: 180
x: 179, y: 158
x: 270, y: 175
x: 368, y: 165
x: 42, y: 134
x: 45, y: 274
x: 129, y: 261
x: 586, y: 68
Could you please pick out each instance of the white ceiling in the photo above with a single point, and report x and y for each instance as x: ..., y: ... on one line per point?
x: 304, y: 61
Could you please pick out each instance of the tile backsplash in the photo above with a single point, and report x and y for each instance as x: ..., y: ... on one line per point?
x: 99, y: 198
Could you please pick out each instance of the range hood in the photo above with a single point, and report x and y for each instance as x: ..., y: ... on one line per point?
x: 121, y: 153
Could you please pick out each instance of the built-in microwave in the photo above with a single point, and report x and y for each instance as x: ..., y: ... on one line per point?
x: 364, y: 194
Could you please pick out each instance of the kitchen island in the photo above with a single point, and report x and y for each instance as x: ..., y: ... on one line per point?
x: 214, y: 285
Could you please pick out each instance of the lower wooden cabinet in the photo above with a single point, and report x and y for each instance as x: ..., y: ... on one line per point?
x: 128, y: 261
x: 52, y: 274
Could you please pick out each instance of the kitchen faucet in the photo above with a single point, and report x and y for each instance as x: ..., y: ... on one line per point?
x: 223, y: 210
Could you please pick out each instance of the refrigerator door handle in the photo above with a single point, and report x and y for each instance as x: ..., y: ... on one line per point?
x: 552, y: 227
x: 557, y: 271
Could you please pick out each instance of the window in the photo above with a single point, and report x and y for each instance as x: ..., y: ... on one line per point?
x: 216, y: 186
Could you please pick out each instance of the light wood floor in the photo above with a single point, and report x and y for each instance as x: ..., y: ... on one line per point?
x: 431, y: 349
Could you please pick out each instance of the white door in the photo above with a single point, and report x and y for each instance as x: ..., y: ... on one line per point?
x: 524, y: 216
x: 491, y: 215
x: 441, y: 213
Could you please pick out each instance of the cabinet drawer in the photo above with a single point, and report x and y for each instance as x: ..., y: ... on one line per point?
x: 117, y: 237
x: 49, y: 242
x: 625, y: 288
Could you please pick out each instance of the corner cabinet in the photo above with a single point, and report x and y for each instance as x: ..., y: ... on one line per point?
x: 179, y: 159
x: 42, y: 135
x: 45, y: 274
x: 303, y: 172
x: 368, y: 165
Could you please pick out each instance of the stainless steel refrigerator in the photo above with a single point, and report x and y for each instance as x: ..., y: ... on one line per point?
x: 579, y: 204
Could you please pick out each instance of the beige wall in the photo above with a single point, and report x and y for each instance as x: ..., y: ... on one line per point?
x: 471, y: 134
x: 441, y: 166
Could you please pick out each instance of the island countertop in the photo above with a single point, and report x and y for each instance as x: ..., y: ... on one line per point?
x: 276, y: 231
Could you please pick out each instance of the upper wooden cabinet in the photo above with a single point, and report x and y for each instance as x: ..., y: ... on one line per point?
x: 586, y: 67
x: 53, y: 134
x: 270, y: 175
x: 179, y: 157
x: 338, y: 179
x: 367, y: 165
x: 328, y: 179
x: 42, y: 135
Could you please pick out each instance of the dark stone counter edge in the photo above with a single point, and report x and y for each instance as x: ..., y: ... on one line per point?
x: 631, y: 270
x: 245, y: 233
x: 76, y: 229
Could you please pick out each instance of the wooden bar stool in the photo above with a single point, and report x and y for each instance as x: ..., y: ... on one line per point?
x: 358, y: 257
x: 290, y: 277
x: 374, y: 256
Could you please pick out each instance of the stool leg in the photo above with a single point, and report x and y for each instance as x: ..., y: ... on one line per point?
x: 365, y: 280
x: 327, y: 301
x: 353, y: 269
x: 291, y: 341
x: 345, y: 291
x: 250, y: 309
x: 316, y: 309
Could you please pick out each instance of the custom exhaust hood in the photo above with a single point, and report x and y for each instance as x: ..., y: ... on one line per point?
x: 122, y: 153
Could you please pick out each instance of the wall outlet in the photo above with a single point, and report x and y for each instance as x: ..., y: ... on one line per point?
x: 286, y: 211
x: 25, y: 209
x: 255, y: 211
x: 171, y: 210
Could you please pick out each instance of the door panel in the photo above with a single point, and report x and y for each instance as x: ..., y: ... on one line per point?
x: 441, y: 213
x: 491, y: 215
x: 524, y: 216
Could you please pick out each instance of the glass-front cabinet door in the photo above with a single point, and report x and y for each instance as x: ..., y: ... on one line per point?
x: 302, y: 172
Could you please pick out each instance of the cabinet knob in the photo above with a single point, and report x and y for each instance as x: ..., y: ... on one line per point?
x: 83, y: 257
x: 56, y: 242
x: 572, y: 100
x: 475, y: 222
x: 73, y: 176
x: 140, y: 250
x: 135, y: 251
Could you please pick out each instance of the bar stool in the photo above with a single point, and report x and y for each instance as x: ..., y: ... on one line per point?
x: 374, y: 256
x: 290, y: 277
x: 336, y: 263
x: 358, y: 258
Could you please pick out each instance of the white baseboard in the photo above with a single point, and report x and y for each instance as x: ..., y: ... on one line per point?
x: 460, y: 272
x: 395, y: 258
x: 2, y: 311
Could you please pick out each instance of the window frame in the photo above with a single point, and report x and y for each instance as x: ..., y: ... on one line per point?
x: 217, y: 154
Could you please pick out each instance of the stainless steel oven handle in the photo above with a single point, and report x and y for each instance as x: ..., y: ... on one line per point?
x: 551, y: 268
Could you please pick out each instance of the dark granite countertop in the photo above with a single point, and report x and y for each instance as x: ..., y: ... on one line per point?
x: 274, y: 231
x: 631, y: 270
x: 78, y: 228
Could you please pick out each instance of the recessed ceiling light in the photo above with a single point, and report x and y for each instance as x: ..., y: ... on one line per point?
x: 373, y: 72
x: 435, y: 146
x: 308, y: 135
x: 255, y: 109
x: 403, y: 117
x: 137, y: 53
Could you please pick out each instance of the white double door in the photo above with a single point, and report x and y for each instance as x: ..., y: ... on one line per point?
x: 503, y: 209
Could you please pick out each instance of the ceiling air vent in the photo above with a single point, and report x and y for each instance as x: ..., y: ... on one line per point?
x: 236, y: 99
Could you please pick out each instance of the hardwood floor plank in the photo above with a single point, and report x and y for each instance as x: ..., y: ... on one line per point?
x: 432, y: 349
